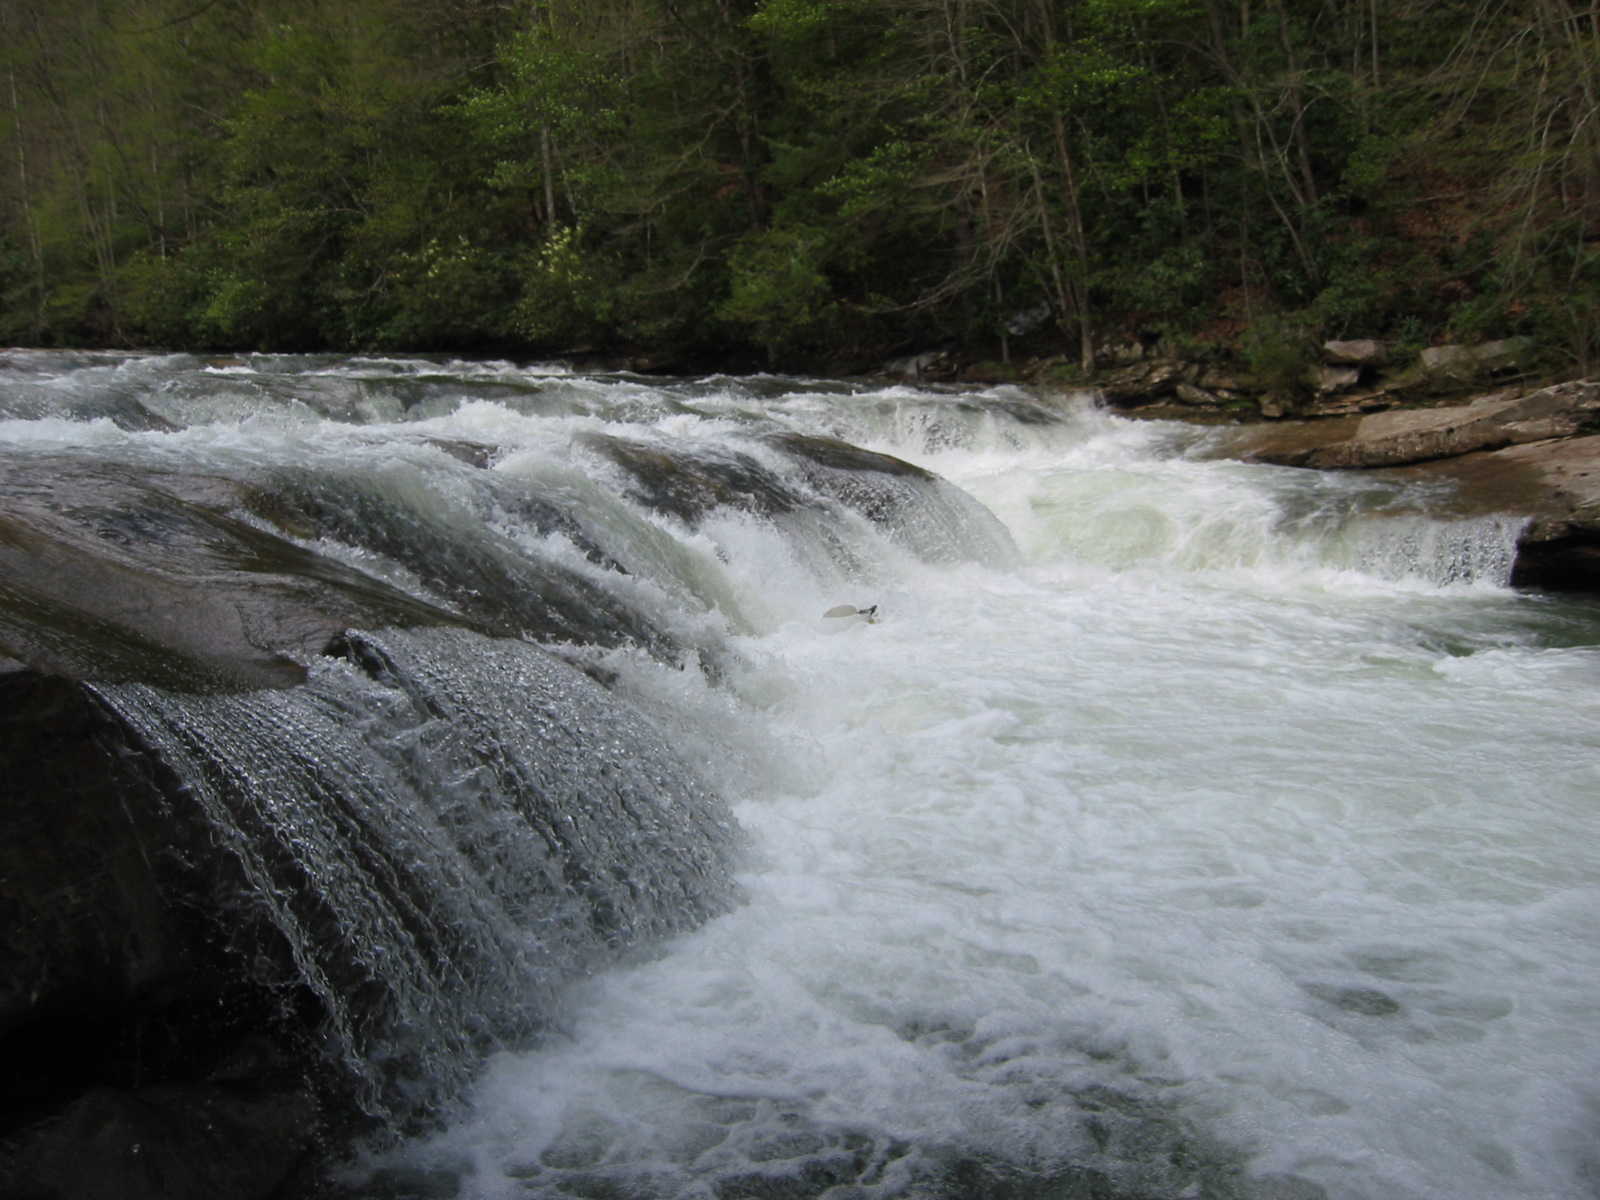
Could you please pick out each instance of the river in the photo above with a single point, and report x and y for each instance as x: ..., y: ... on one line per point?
x: 1177, y: 828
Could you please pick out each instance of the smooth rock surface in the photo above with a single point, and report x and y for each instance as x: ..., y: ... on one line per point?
x: 112, y: 573
x: 1405, y: 436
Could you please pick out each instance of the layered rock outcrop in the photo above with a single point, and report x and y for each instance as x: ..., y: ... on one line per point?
x: 1337, y: 378
x: 1402, y: 437
x: 1534, y: 454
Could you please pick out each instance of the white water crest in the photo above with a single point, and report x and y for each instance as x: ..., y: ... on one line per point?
x: 1188, y: 829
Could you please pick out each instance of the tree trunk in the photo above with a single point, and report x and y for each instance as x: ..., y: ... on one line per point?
x: 1077, y: 243
x: 25, y: 194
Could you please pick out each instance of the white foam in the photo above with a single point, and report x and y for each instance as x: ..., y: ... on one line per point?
x: 1226, y: 829
x: 1252, y: 856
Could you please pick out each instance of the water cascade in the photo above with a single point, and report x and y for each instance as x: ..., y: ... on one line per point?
x: 1180, y: 828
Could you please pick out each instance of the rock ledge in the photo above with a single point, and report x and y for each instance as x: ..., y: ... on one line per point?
x: 1534, y: 454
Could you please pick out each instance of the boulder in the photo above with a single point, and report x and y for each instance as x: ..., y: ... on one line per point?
x: 115, y: 573
x: 1119, y: 354
x: 129, y: 962
x: 1188, y: 393
x: 1466, y: 361
x: 1361, y: 352
x: 1144, y: 382
x: 1556, y: 484
x: 1223, y: 382
x: 1336, y: 379
x: 1452, y: 358
x: 140, y: 1060
x: 690, y: 485
x: 228, y: 905
x: 930, y: 364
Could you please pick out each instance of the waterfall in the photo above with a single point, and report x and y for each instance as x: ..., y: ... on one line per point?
x: 1179, y: 828
x: 441, y: 829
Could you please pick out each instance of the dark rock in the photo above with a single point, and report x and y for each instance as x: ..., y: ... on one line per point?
x: 121, y: 999
x: 80, y: 913
x: 493, y: 587
x: 1143, y: 382
x: 1563, y: 564
x: 199, y: 1142
x: 474, y: 454
x: 664, y: 363
x: 843, y: 456
x: 86, y: 844
x: 111, y: 573
x: 405, y: 1183
x: 690, y: 484
x: 930, y: 364
x: 150, y: 997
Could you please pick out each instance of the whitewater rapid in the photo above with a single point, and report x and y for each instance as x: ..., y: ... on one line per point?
x: 1208, y: 840
x: 1183, y: 828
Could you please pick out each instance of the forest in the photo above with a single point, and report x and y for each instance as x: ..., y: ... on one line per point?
x: 800, y: 183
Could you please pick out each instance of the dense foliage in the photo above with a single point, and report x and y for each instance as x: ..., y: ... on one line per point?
x: 800, y: 181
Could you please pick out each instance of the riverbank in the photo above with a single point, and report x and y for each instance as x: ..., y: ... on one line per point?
x: 1480, y: 422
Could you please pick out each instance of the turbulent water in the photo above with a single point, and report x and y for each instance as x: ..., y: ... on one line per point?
x: 1180, y: 828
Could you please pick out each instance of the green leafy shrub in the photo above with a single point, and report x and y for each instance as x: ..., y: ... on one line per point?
x: 565, y: 299
x: 1281, y: 354
x: 778, y: 295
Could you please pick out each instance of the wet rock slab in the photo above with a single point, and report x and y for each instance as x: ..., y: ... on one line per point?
x: 158, y: 1040
x: 138, y: 1062
x: 1405, y: 436
x: 112, y: 573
